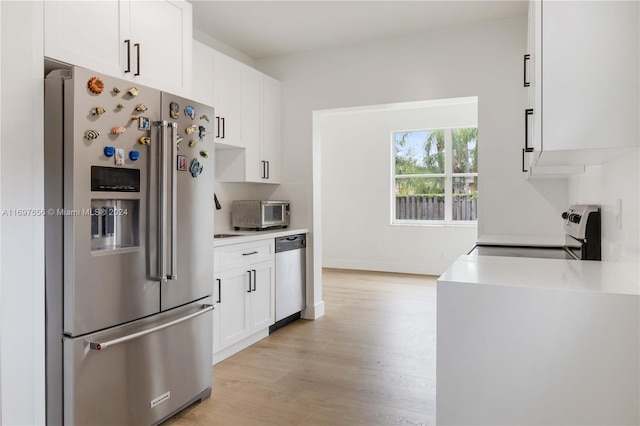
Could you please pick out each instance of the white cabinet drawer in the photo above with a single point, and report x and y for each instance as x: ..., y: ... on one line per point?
x: 236, y: 255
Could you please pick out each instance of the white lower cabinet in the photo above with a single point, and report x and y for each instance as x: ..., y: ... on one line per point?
x: 245, y: 296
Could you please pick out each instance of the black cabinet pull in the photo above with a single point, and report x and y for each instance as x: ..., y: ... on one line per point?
x: 218, y: 127
x: 128, y: 43
x: 137, y: 45
x: 219, y: 290
x: 254, y: 279
x: 268, y: 170
x: 523, y: 169
x: 223, y: 128
x: 264, y: 168
x: 527, y: 113
x: 249, y: 254
x: 249, y: 291
x: 526, y: 59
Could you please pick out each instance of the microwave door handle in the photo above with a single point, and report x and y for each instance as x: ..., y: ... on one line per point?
x: 174, y: 203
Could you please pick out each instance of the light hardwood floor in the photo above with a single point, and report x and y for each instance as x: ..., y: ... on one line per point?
x: 369, y: 361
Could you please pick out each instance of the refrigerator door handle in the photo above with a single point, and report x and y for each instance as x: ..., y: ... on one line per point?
x: 100, y: 346
x: 173, y: 275
x: 162, y: 194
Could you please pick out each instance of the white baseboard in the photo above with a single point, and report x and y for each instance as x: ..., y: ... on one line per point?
x: 313, y: 312
x: 401, y: 268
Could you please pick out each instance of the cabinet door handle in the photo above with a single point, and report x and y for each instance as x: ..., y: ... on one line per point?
x: 218, y: 127
x: 137, y: 45
x: 249, y: 291
x: 254, y: 279
x: 128, y: 43
x: 527, y: 113
x: 268, y: 170
x: 523, y: 169
x: 219, y: 290
x: 223, y: 128
x: 249, y: 254
x: 526, y: 59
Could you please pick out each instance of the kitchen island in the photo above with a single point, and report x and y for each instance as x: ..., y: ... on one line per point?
x: 538, y: 341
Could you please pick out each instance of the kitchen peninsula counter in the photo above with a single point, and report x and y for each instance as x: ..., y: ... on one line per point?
x: 538, y: 341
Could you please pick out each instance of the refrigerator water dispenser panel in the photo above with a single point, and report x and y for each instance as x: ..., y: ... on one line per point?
x: 114, y: 224
x: 115, y: 179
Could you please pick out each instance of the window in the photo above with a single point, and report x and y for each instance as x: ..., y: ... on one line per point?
x: 435, y: 176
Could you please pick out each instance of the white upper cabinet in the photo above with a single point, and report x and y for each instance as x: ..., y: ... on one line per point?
x: 585, y: 85
x: 161, y: 37
x: 86, y: 34
x: 247, y: 105
x: 271, y: 125
x: 251, y: 131
x: 202, y: 84
x: 227, y: 96
x: 147, y: 42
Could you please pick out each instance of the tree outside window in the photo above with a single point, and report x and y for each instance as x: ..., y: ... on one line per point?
x: 435, y: 175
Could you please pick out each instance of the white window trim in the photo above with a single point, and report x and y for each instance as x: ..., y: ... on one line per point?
x: 448, y: 185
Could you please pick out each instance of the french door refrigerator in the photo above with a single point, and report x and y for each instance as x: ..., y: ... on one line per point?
x: 129, y: 250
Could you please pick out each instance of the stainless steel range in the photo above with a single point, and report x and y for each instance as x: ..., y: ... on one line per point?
x: 582, y: 239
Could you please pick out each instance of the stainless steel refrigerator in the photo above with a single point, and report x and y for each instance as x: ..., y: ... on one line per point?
x: 129, y: 250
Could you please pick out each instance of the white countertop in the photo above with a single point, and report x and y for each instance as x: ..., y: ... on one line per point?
x: 248, y: 236
x: 575, y: 275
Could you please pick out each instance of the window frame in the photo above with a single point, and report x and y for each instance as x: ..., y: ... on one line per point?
x: 448, y: 176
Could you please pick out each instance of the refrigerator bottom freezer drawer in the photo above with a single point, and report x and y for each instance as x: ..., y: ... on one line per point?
x: 140, y: 373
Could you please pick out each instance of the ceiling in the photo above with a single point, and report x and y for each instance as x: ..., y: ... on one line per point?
x: 262, y: 29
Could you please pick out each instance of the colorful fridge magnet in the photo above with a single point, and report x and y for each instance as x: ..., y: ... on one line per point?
x: 174, y: 110
x: 97, y: 111
x: 204, y: 117
x: 119, y: 157
x: 191, y: 129
x: 144, y: 123
x: 182, y: 163
x: 109, y: 151
x: 134, y: 155
x: 201, y: 132
x: 192, y: 143
x: 120, y: 106
x: 145, y: 140
x: 118, y: 130
x: 204, y: 154
x: 115, y: 90
x: 179, y: 139
x: 95, y: 85
x: 190, y: 112
x: 141, y: 107
x: 91, y: 135
x: 133, y: 92
x: 195, y: 168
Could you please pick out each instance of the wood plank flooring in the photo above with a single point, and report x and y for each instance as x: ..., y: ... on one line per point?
x: 369, y: 361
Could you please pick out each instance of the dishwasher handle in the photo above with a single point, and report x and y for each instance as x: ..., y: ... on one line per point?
x: 291, y: 242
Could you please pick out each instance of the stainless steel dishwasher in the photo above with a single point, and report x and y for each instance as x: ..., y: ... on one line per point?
x: 290, y: 278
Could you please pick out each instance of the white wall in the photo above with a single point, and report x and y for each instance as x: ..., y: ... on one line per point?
x: 614, y: 186
x: 483, y: 60
x: 357, y: 188
x: 22, y: 187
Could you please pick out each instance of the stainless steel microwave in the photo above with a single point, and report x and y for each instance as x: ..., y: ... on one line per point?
x: 259, y: 215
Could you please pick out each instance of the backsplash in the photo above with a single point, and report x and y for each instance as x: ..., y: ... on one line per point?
x: 226, y: 193
x: 614, y: 185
